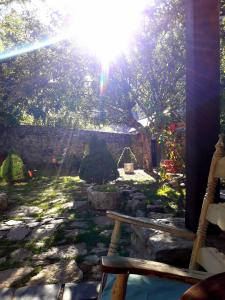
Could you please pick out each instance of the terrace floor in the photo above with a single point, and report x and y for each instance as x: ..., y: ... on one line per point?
x: 52, y: 239
x: 49, y: 232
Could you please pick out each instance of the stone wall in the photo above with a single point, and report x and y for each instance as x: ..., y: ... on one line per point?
x: 38, y: 145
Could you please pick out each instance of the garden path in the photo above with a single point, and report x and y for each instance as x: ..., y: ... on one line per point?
x: 51, y: 234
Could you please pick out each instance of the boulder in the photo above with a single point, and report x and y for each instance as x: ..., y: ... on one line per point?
x: 161, y: 246
x: 18, y: 233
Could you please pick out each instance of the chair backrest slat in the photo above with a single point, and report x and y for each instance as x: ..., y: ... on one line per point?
x: 207, y: 201
x: 211, y: 260
x: 216, y: 215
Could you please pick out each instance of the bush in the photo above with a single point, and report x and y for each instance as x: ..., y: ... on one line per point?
x: 12, y: 168
x: 71, y: 164
x: 98, y: 166
x: 127, y: 156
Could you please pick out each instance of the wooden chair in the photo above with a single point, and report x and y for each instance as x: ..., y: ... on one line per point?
x: 209, y: 258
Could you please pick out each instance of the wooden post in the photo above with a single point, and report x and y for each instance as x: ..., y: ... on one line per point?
x: 202, y: 108
x: 114, y: 239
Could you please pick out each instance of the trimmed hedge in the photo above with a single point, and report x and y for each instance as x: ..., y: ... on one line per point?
x: 12, y: 168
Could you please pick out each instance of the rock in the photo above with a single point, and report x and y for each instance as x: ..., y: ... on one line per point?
x: 38, y: 263
x: 46, y: 220
x: 96, y: 273
x: 2, y: 233
x: 40, y: 244
x: 2, y: 261
x: 139, y: 196
x: 88, y: 290
x: 103, y: 221
x: 134, y: 204
x: 159, y: 245
x: 99, y: 251
x: 3, y: 201
x: 63, y: 252
x: 33, y: 224
x: 92, y: 260
x: 38, y: 292
x: 53, y: 212
x: 13, y: 223
x: 126, y: 194
x: 57, y: 221
x: 20, y: 254
x: 155, y: 208
x: 106, y: 233
x: 6, y: 294
x: 68, y: 205
x: 140, y: 213
x: 124, y: 242
x: 86, y: 268
x: 25, y: 211
x: 72, y: 233
x: 4, y: 227
x: 18, y: 233
x: 101, y: 245
x: 80, y: 204
x: 79, y: 224
x: 45, y: 230
x: 61, y: 272
x: 11, y: 276
x: 104, y: 200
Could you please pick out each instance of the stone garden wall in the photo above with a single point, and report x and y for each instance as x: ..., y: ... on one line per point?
x: 38, y: 145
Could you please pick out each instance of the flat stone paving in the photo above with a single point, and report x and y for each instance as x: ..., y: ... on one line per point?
x: 42, y: 246
x: 69, y: 291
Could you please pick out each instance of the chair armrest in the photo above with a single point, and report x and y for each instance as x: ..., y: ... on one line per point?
x: 144, y: 222
x: 124, y: 265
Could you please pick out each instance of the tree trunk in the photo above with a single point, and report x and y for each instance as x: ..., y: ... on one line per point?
x: 146, y: 146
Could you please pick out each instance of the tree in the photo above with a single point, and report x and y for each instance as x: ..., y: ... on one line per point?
x: 151, y: 80
x: 48, y: 86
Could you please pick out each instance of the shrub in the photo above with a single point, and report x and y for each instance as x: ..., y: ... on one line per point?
x: 98, y: 166
x: 127, y: 156
x: 71, y: 164
x: 12, y: 168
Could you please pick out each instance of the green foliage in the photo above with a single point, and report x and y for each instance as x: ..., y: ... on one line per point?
x: 98, y: 166
x: 127, y: 156
x: 12, y: 168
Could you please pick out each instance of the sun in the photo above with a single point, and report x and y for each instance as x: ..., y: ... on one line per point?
x: 105, y: 27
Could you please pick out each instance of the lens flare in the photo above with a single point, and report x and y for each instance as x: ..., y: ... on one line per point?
x: 21, y: 49
x: 105, y: 27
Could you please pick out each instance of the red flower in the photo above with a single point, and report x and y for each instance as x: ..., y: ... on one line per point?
x: 172, y: 127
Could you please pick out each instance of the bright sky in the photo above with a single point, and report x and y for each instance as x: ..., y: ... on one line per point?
x: 104, y: 27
